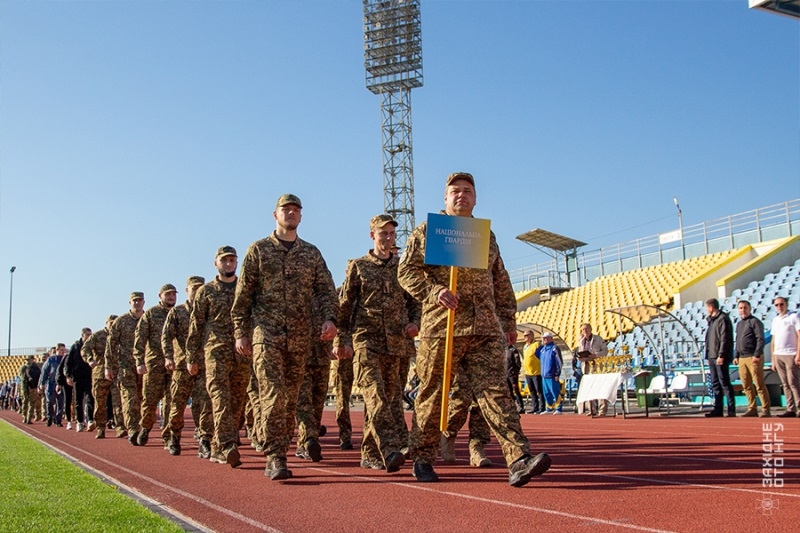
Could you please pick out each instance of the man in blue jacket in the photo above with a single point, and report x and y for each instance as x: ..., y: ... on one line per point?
x: 54, y: 398
x: 550, y: 356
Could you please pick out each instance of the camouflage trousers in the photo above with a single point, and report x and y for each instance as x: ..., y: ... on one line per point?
x: 280, y: 371
x: 376, y: 375
x: 29, y: 397
x: 462, y: 403
x: 185, y: 385
x: 343, y: 385
x: 397, y: 402
x: 130, y: 392
x: 255, y: 426
x: 227, y: 374
x: 101, y: 388
x: 156, y: 385
x: 311, y: 401
x: 482, y: 362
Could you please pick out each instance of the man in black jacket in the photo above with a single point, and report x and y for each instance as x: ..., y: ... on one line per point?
x: 750, y: 358
x: 719, y: 353
x: 79, y: 375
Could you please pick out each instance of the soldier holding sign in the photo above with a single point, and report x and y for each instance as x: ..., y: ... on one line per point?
x: 484, y: 324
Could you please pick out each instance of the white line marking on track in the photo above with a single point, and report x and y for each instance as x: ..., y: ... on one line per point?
x: 180, y: 492
x: 499, y: 502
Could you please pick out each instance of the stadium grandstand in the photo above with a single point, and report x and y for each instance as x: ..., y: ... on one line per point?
x: 646, y: 297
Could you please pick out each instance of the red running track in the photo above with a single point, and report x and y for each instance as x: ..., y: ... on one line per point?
x: 679, y: 473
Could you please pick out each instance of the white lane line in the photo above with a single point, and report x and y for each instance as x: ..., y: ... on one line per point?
x: 685, y: 484
x: 496, y: 502
x: 211, y: 505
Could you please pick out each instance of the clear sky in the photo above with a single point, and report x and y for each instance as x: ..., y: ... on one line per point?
x: 137, y: 137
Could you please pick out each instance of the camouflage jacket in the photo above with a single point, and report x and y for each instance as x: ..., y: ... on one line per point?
x: 94, y: 351
x: 119, y: 345
x: 275, y: 290
x: 374, y: 310
x: 175, y: 334
x: 320, y: 354
x: 210, y: 325
x: 147, y: 345
x: 486, y: 303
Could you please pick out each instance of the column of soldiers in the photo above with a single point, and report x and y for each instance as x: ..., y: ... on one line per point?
x: 257, y: 348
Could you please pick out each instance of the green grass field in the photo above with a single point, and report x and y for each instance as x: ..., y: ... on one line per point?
x: 42, y: 491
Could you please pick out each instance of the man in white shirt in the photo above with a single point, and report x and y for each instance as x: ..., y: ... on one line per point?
x: 786, y: 354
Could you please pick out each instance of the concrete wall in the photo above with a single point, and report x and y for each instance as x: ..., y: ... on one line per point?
x: 771, y: 257
x: 705, y: 286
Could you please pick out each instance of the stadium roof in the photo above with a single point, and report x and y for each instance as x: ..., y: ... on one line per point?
x: 546, y: 239
x: 789, y: 8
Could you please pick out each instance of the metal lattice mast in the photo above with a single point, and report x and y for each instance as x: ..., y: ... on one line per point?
x: 393, y: 63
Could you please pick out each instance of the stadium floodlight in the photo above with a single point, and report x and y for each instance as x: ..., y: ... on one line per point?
x: 788, y: 8
x: 393, y: 63
x: 10, y: 307
x: 680, y: 225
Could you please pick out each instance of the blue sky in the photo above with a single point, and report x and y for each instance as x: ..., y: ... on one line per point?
x: 138, y: 137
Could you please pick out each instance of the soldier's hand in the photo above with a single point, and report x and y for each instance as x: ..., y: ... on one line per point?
x: 511, y: 338
x: 70, y: 382
x: 328, y: 331
x: 92, y: 364
x: 58, y: 389
x: 109, y: 374
x: 243, y: 347
x: 169, y: 364
x: 141, y: 370
x: 193, y: 369
x: 343, y: 352
x: 447, y: 299
x: 412, y: 330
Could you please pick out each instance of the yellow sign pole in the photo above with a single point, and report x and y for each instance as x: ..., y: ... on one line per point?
x: 448, y: 354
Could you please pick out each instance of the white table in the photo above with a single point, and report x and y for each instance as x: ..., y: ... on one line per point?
x: 602, y: 387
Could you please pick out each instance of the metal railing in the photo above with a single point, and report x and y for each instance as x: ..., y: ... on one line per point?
x: 718, y: 235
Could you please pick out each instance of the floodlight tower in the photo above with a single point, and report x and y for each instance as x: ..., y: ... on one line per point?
x: 393, y: 61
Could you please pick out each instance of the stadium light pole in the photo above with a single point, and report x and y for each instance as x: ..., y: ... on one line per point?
x: 10, y: 307
x: 680, y: 225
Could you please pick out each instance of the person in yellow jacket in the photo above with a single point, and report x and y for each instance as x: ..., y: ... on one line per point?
x: 533, y: 374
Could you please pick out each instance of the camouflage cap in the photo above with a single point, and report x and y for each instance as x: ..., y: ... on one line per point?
x: 195, y: 280
x: 169, y: 287
x: 112, y: 318
x: 286, y: 199
x: 225, y: 250
x: 136, y: 295
x: 379, y: 221
x: 460, y: 176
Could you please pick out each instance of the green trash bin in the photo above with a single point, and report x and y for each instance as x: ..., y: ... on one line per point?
x: 642, y: 382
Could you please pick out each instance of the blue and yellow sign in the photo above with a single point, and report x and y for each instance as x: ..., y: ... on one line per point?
x: 457, y: 241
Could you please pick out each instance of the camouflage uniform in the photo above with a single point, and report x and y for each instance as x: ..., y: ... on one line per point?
x: 273, y: 308
x: 462, y: 403
x: 157, y: 381
x: 227, y: 373
x: 485, y: 312
x: 374, y: 313
x: 93, y: 352
x: 25, y: 394
x: 314, y: 390
x: 253, y: 419
x: 343, y: 385
x: 119, y: 359
x: 184, y: 385
x: 397, y: 403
